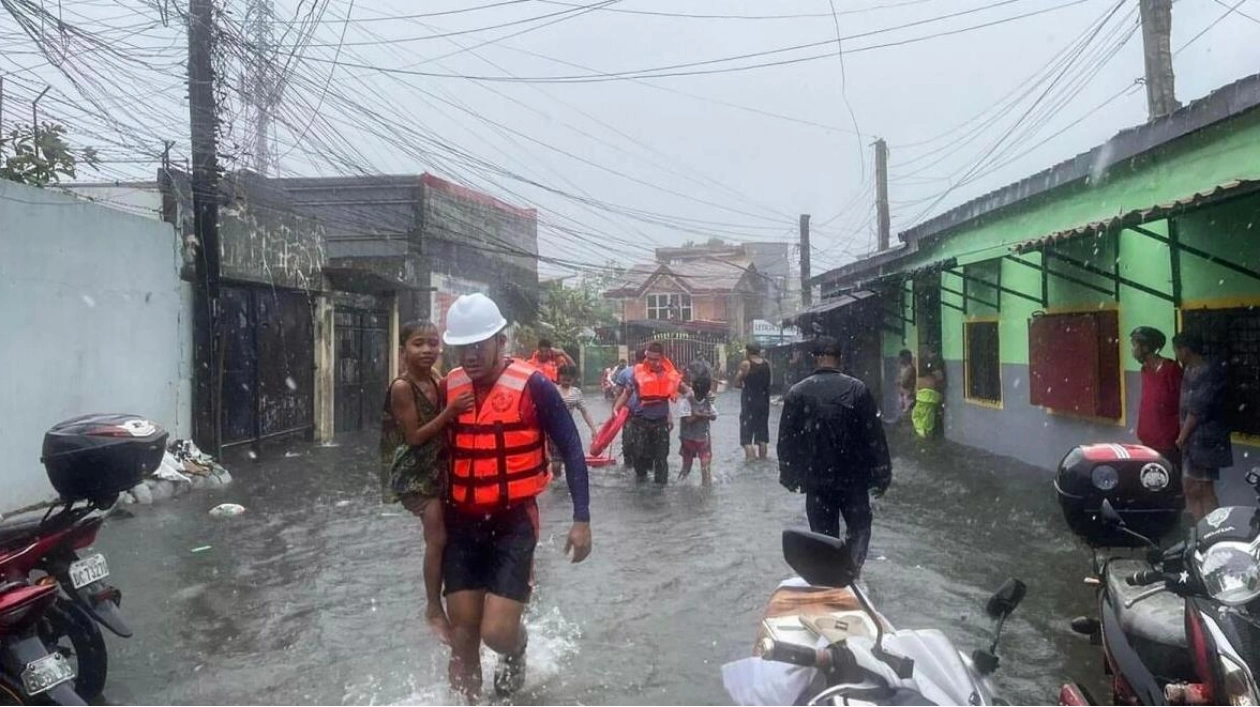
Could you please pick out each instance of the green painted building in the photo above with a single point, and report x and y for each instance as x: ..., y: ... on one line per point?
x: 1029, y: 292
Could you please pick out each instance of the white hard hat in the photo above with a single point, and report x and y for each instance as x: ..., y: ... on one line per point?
x: 472, y: 318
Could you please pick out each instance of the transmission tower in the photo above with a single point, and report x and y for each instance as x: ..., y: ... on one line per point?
x: 261, y: 84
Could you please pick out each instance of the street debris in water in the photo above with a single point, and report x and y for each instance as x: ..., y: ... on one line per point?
x: 227, y: 510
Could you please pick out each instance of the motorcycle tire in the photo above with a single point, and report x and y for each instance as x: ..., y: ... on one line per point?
x: 67, y: 621
x: 10, y: 694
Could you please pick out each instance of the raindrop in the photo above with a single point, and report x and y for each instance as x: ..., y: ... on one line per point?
x: 291, y: 383
x: 252, y: 454
x: 1221, y: 281
x: 1017, y: 382
x: 89, y: 301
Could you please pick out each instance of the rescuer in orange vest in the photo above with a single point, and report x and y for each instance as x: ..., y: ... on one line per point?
x: 549, y: 360
x: 656, y: 383
x: 498, y: 467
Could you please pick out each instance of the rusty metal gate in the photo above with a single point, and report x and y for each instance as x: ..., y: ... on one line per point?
x: 682, y: 348
x: 268, y: 364
x: 362, y: 368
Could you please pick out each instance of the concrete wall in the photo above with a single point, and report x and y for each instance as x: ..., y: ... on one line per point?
x: 93, y: 318
x: 475, y: 237
x: 1037, y: 436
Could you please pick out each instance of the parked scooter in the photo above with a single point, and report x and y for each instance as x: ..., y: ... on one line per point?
x: 823, y: 643
x: 1182, y: 625
x: 89, y: 461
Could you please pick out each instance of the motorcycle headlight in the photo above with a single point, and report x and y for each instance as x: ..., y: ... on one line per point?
x: 1231, y: 573
x: 1238, y: 686
x: 1104, y: 477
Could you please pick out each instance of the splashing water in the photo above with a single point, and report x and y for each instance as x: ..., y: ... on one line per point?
x: 553, y: 640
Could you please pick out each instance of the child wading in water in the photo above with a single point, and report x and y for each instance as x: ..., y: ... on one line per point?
x: 695, y: 412
x: 413, y: 453
x: 572, y: 396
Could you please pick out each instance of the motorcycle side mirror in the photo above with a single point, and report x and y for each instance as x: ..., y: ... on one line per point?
x: 821, y: 560
x: 1004, y: 601
x: 999, y: 608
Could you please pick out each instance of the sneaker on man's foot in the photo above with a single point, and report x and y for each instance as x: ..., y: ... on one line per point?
x: 509, y: 674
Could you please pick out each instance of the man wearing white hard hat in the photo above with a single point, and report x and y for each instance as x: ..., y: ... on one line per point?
x: 498, y: 467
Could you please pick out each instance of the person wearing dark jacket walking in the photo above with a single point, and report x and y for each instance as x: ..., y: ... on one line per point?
x: 832, y: 447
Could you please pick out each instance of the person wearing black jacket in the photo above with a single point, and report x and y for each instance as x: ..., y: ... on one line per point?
x: 832, y: 447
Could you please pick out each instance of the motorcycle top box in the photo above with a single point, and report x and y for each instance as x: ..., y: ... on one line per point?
x: 1143, y: 487
x: 96, y: 457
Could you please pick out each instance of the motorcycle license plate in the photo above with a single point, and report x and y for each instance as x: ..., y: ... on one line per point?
x: 90, y: 569
x: 46, y: 673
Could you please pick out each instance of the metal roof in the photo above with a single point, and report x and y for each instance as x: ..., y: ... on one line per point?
x: 1220, y: 192
x: 1225, y: 102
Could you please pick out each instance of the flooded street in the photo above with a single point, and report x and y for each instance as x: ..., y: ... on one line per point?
x: 314, y: 595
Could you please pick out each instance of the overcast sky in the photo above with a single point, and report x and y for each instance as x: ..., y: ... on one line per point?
x: 616, y: 167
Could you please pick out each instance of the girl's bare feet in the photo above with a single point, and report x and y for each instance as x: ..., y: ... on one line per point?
x: 435, y: 615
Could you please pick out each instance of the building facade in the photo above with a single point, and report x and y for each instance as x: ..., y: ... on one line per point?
x: 1029, y: 293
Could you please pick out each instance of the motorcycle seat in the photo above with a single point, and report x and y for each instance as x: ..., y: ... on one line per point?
x: 17, y: 532
x: 1155, y: 625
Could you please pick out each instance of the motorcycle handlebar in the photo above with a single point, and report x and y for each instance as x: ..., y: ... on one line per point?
x: 794, y: 654
x: 1143, y: 578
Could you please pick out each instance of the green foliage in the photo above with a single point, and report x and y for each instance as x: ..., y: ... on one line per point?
x: 42, y: 156
x: 564, y: 312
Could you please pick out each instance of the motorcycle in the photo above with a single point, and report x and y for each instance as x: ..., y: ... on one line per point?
x: 1182, y: 625
x: 90, y: 460
x: 823, y: 642
x: 29, y: 671
x: 50, y: 548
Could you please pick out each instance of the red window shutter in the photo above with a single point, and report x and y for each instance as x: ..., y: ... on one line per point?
x: 1109, y: 368
x: 1063, y: 353
x: 1074, y: 363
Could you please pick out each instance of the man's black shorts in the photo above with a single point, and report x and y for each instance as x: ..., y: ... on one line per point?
x: 491, y: 552
x: 754, y: 425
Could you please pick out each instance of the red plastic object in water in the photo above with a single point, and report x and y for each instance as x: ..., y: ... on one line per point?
x: 608, y: 432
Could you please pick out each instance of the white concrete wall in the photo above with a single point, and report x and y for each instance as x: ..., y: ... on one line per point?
x: 93, y: 318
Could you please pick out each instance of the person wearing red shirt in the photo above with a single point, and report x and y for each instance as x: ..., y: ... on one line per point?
x: 1159, y: 423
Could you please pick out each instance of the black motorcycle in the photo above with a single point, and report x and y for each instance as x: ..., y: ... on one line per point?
x: 1182, y: 625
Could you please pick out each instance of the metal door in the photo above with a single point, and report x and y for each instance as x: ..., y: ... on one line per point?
x: 267, y: 354
x: 362, y: 368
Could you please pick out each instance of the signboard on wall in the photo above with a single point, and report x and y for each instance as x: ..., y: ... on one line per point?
x: 446, y: 288
x: 768, y: 333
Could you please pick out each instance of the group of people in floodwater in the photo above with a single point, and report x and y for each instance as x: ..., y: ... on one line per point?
x: 470, y: 452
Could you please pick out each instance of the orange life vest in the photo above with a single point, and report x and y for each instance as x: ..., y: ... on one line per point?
x: 655, y: 387
x: 497, y: 458
x: 549, y: 368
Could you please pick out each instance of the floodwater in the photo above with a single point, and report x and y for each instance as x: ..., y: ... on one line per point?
x: 314, y: 595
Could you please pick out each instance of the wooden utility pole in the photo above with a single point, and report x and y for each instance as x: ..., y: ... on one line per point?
x: 881, y: 192
x: 1161, y: 98
x: 203, y: 115
x: 806, y: 296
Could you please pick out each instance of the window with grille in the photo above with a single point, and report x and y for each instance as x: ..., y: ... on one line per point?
x: 983, y: 364
x: 669, y: 307
x: 1233, y: 335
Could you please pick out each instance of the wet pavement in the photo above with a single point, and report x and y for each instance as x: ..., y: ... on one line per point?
x: 314, y: 595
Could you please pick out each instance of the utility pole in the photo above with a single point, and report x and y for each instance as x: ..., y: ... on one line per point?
x: 881, y: 192
x: 260, y: 83
x: 806, y: 296
x: 203, y: 127
x: 1161, y: 98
